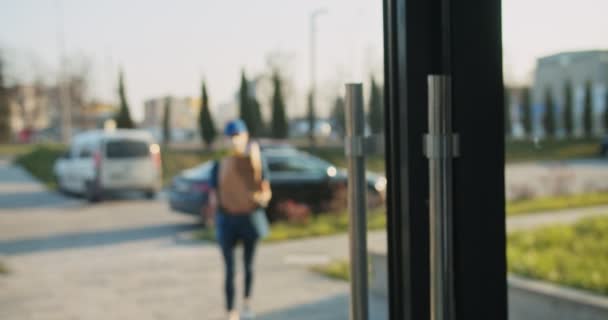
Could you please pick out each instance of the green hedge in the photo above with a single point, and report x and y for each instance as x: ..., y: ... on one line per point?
x: 574, y: 256
x: 39, y: 162
x: 13, y: 150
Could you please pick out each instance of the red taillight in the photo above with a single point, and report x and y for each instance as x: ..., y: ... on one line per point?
x: 155, y: 154
x: 97, y: 159
x: 157, y: 160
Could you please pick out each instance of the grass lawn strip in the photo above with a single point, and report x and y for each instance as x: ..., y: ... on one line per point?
x: 337, y: 269
x: 3, y: 269
x: 570, y: 255
x: 556, y: 203
x: 321, y: 225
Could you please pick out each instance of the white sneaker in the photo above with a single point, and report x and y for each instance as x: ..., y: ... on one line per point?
x: 233, y: 315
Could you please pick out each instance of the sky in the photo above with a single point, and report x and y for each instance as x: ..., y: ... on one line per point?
x: 169, y: 46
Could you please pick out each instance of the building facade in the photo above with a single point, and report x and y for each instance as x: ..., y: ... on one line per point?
x: 575, y: 70
x: 183, y: 114
x: 183, y: 117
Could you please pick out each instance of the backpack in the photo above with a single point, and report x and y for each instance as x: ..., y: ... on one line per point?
x: 241, y: 188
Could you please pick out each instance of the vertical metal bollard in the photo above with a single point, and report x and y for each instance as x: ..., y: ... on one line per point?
x: 441, y: 145
x: 355, y: 150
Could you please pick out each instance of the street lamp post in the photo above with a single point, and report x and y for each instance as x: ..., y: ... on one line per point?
x: 62, y: 86
x: 313, y: 65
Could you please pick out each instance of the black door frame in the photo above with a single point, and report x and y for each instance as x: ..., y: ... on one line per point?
x: 423, y: 37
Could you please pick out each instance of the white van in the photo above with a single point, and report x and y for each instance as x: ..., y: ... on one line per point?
x: 108, y: 161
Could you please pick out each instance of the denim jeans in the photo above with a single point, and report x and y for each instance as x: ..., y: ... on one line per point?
x: 230, y: 230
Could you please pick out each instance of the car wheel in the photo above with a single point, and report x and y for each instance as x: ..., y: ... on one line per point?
x: 92, y: 192
x: 60, y: 187
x: 150, y: 195
x: 374, y: 198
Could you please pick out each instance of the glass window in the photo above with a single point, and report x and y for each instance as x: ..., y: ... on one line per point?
x: 126, y: 149
x: 85, y: 152
x: 297, y: 164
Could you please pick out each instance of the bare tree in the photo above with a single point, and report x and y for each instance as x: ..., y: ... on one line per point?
x: 5, y: 111
x: 76, y: 84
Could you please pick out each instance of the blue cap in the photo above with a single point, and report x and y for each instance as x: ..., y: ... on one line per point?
x: 235, y: 127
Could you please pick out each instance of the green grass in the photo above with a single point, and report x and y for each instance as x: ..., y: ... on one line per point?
x: 337, y: 269
x: 38, y: 159
x: 12, y: 150
x: 515, y: 151
x: 574, y: 256
x: 336, y: 223
x: 39, y: 162
x: 556, y: 203
x: 321, y: 225
x: 520, y: 151
x: 3, y: 269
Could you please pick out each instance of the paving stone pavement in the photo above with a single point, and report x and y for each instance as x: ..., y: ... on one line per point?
x: 134, y: 259
x: 169, y: 277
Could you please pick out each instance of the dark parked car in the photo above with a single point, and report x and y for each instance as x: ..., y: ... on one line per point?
x: 298, y: 180
x: 604, y: 147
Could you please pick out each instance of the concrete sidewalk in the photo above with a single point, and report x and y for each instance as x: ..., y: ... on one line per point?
x: 20, y: 191
x: 134, y: 260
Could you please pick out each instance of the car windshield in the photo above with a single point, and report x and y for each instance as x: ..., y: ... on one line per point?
x: 126, y: 149
x: 296, y: 164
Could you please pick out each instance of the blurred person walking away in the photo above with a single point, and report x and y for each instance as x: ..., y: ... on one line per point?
x: 236, y: 208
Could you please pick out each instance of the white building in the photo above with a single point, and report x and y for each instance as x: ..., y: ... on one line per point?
x: 183, y: 112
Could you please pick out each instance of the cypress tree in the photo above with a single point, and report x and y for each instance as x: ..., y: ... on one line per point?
x: 568, y: 110
x: 311, y: 118
x: 588, y: 111
x: 123, y: 118
x: 258, y: 125
x: 206, y: 124
x: 5, y: 111
x: 279, y: 127
x: 338, y: 115
x: 167, y: 121
x: 526, y: 111
x: 375, y: 116
x: 549, y: 118
x: 244, y: 109
x: 249, y: 108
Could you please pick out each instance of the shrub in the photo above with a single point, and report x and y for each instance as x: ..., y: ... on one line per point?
x: 39, y: 162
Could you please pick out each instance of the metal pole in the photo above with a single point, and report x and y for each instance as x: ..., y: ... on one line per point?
x: 313, y: 63
x: 62, y: 86
x: 440, y: 148
x: 355, y: 124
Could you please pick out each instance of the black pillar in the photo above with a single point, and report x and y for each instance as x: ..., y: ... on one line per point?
x: 462, y: 39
